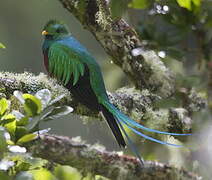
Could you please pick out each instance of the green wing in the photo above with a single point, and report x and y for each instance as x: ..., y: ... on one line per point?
x: 65, y: 62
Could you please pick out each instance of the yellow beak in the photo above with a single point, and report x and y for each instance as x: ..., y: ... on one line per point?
x: 44, y: 33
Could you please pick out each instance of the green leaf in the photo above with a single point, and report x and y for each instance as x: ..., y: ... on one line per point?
x: 4, y: 176
x: 43, y: 174
x: 33, y: 122
x: 33, y: 163
x: 197, y: 3
x: 188, y: 3
x: 45, y: 96
x: 3, y: 106
x: 2, y: 46
x: 11, y: 127
x: 8, y: 118
x: 36, y: 163
x: 57, y: 99
x: 20, y: 131
x: 59, y: 112
x: 9, y: 142
x: 118, y: 7
x: 3, y: 143
x: 32, y: 105
x: 27, y: 138
x: 23, y: 121
x: 67, y: 173
x: 17, y: 114
x: 25, y: 175
x: 139, y: 4
x: 185, y: 4
x: 98, y: 177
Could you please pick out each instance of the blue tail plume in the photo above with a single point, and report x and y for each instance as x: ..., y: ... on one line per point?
x: 130, y: 122
x: 121, y: 118
x: 131, y: 144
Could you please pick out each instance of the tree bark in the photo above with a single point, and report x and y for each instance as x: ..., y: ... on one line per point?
x: 122, y: 44
x: 139, y: 105
x: 95, y: 159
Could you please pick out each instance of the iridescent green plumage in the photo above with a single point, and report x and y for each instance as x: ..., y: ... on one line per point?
x: 62, y: 66
x: 67, y: 60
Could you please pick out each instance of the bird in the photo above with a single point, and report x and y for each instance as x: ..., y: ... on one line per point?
x: 67, y: 60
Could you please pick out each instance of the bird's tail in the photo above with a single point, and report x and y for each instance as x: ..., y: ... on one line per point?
x: 115, y: 127
x: 122, y: 119
x: 109, y: 117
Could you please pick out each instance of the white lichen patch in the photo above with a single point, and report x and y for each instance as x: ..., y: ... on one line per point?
x: 157, y: 119
x: 98, y: 147
x: 137, y: 51
x: 161, y: 76
x: 122, y: 171
x: 102, y: 18
x: 33, y: 83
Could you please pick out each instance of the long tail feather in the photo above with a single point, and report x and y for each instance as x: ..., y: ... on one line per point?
x: 131, y: 144
x: 111, y: 120
x: 130, y: 122
x: 148, y: 137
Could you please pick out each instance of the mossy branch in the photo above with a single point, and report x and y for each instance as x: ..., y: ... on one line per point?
x: 139, y: 105
x: 120, y: 41
x: 95, y: 159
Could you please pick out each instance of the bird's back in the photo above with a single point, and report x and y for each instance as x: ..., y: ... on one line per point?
x: 95, y: 75
x: 92, y: 81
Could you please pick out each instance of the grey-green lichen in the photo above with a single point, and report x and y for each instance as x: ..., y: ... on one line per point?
x: 197, y: 102
x: 103, y: 18
x: 96, y: 160
x: 28, y: 82
x: 162, y: 77
x: 137, y: 104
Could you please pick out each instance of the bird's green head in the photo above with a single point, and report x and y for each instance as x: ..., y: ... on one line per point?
x: 55, y: 30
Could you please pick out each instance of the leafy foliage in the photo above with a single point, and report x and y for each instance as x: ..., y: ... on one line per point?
x: 180, y: 31
x: 2, y: 46
x: 171, y: 25
x: 139, y: 4
x: 19, y: 127
x: 118, y: 8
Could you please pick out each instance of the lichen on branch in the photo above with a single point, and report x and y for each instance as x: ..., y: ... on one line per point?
x: 145, y: 69
x: 139, y: 105
x: 95, y: 159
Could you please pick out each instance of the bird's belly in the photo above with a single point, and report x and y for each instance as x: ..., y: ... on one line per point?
x: 84, y: 93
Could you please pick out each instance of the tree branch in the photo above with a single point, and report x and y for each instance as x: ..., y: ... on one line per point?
x: 96, y: 160
x: 137, y: 104
x: 120, y: 42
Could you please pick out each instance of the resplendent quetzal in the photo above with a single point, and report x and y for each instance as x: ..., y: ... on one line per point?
x: 71, y: 63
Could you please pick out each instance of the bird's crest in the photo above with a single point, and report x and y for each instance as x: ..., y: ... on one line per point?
x: 53, y: 22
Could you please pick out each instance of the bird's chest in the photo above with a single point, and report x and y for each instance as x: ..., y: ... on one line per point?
x: 46, y: 62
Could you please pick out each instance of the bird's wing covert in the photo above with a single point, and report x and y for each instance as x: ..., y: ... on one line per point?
x: 64, y: 62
